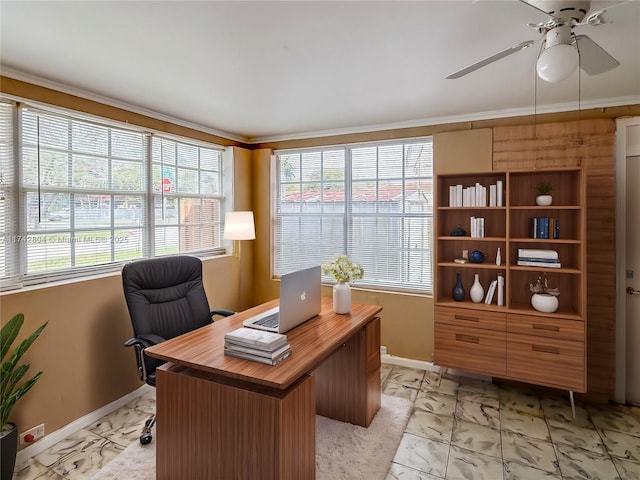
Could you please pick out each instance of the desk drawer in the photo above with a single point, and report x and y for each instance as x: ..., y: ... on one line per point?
x: 463, y: 317
x: 546, y: 327
x: 469, y: 349
x: 546, y: 361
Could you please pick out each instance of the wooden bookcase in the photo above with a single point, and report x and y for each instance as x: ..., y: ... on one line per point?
x: 513, y: 341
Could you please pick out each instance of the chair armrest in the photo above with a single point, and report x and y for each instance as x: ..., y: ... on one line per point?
x: 144, y: 340
x: 222, y: 312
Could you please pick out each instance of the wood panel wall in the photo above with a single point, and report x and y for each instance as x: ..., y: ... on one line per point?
x: 591, y: 144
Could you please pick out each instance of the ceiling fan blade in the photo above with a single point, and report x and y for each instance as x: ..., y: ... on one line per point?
x: 595, y: 17
x: 593, y: 58
x: 539, y: 9
x: 491, y: 59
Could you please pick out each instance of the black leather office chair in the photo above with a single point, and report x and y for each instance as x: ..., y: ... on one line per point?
x: 165, y: 298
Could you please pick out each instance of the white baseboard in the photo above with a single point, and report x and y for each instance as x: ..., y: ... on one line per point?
x: 422, y: 365
x: 69, y: 429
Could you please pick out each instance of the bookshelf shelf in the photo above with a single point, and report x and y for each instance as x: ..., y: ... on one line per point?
x: 513, y: 340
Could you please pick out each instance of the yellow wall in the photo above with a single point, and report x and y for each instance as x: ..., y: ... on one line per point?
x: 81, y: 351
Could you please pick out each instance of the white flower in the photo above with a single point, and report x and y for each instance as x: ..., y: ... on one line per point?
x: 343, y: 269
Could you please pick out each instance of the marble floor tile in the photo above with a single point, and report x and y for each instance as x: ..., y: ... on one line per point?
x: 397, y: 390
x: 528, y: 425
x: 465, y: 393
x: 576, y: 436
x: 478, y: 413
x: 409, y: 377
x: 444, y: 386
x: 485, y: 387
x: 385, y: 371
x: 402, y: 472
x: 576, y: 463
x: 435, y: 403
x: 32, y: 470
x: 145, y: 403
x: 622, y: 445
x: 429, y: 425
x: 558, y: 407
x: 529, y: 452
x: 626, y: 469
x: 80, y: 441
x: 465, y: 464
x: 619, y: 419
x: 526, y: 401
x: 422, y: 454
x: 122, y: 427
x: 477, y: 438
x: 517, y: 471
x: 83, y: 464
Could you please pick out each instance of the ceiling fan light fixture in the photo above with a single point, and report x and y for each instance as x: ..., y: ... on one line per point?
x: 557, y: 63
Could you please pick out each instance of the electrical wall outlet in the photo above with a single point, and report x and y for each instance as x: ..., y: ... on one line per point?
x: 32, y: 435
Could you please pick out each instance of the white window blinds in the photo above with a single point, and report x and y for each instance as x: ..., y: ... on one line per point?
x: 81, y: 196
x: 371, y: 202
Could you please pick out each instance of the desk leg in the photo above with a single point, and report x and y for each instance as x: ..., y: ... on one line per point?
x: 207, y: 429
x: 348, y: 383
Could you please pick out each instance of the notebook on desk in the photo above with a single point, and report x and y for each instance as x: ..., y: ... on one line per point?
x: 300, y: 300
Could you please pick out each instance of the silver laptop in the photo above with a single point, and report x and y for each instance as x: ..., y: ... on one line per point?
x: 300, y: 299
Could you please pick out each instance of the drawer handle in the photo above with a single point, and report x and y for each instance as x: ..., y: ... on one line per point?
x: 539, y: 348
x: 464, y: 317
x: 467, y: 338
x: 551, y: 328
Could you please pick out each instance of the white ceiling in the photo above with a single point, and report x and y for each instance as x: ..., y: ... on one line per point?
x: 273, y: 70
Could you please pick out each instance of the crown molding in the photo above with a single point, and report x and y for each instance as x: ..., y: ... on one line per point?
x: 473, y: 117
x: 43, y: 82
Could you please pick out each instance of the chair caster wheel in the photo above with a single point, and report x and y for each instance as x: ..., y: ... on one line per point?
x: 145, y: 439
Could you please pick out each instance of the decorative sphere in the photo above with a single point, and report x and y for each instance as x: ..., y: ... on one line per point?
x: 476, y: 256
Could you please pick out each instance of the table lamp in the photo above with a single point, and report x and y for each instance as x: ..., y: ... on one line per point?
x: 239, y: 226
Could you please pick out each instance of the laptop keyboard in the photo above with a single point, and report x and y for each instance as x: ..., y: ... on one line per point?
x: 270, y: 321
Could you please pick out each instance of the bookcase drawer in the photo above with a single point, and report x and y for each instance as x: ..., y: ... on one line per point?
x: 470, y: 349
x: 546, y: 327
x: 467, y: 318
x: 546, y: 361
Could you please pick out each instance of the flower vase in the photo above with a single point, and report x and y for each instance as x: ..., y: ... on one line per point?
x: 341, y: 298
x: 477, y: 292
x: 458, y: 290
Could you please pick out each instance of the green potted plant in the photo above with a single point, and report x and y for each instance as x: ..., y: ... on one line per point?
x: 544, y: 198
x: 11, y: 388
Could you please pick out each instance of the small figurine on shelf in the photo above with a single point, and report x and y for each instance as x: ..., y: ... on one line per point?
x: 458, y: 231
x: 544, y: 299
x: 477, y: 256
x: 464, y: 258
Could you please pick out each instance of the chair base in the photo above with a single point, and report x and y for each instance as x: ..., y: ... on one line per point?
x: 146, y: 437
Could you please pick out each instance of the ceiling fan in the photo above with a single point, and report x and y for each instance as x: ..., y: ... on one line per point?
x: 562, y: 50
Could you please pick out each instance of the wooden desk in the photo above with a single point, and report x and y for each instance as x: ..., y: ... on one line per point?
x: 223, y: 417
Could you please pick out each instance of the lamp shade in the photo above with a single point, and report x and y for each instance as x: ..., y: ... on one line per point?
x: 239, y: 226
x: 557, y: 62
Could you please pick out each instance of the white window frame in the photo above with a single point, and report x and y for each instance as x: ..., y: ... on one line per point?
x: 308, y: 258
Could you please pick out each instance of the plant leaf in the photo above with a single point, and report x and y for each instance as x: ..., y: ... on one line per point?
x: 9, y: 333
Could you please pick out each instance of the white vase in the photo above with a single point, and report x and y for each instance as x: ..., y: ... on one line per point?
x: 477, y: 292
x: 544, y: 200
x: 543, y: 302
x: 341, y: 298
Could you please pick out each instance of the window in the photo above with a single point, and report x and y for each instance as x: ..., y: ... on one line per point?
x: 90, y: 195
x: 372, y: 202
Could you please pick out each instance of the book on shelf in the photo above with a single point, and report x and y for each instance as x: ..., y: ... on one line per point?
x: 499, y: 193
x: 545, y: 227
x: 500, y: 289
x: 538, y: 253
x: 490, y: 292
x: 492, y: 196
x: 259, y: 339
x: 542, y: 264
x: 538, y: 259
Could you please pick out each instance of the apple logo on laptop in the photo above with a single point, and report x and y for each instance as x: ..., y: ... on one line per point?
x: 303, y: 296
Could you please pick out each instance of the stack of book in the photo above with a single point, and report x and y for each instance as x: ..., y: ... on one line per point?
x: 257, y: 345
x: 545, y: 227
x: 538, y: 258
